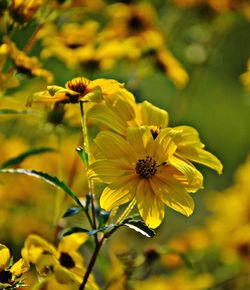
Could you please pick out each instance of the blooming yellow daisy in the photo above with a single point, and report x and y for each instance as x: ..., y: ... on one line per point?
x: 189, y: 146
x: 145, y: 168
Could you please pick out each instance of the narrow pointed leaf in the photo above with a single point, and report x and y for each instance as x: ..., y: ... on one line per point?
x: 18, y: 159
x: 71, y: 211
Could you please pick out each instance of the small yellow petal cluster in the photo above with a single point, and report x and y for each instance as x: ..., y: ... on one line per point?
x: 24, y: 64
x: 61, y: 266
x: 10, y: 274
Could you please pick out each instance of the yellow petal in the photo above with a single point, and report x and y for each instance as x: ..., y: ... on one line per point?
x: 20, y: 267
x: 173, y: 195
x: 109, y: 170
x: 201, y: 156
x: 114, y: 146
x: 72, y: 242
x: 106, y: 116
x: 138, y: 138
x: 149, y: 204
x: 189, y: 136
x: 152, y: 115
x: 34, y: 246
x: 184, y: 167
x: 119, y: 192
x: 4, y: 257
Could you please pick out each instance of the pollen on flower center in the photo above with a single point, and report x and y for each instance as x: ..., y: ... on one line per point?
x: 78, y: 85
x: 146, y: 167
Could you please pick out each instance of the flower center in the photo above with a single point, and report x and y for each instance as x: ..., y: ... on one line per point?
x: 5, y: 276
x: 78, y: 85
x: 66, y: 260
x: 146, y: 167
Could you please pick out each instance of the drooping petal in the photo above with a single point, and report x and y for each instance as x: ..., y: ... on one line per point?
x: 109, y: 170
x: 153, y: 116
x: 114, y: 146
x: 149, y: 204
x: 106, y: 116
x: 184, y: 167
x: 173, y: 194
x: 4, y: 257
x: 201, y: 156
x: 119, y: 192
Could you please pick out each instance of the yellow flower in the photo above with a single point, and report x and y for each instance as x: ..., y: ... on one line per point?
x: 189, y: 146
x: 10, y: 274
x: 24, y: 10
x: 145, y: 168
x: 172, y: 68
x: 77, y: 90
x: 29, y: 66
x: 63, y: 265
x: 245, y: 77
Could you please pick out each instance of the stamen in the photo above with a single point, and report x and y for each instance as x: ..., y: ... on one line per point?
x: 146, y: 167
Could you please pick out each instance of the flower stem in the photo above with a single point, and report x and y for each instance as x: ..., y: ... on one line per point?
x: 90, y: 182
x: 92, y: 263
x: 126, y: 212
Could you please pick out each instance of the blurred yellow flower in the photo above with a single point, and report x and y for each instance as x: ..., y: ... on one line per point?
x: 24, y: 64
x: 24, y: 10
x: 63, y: 266
x: 145, y: 168
x: 10, y: 275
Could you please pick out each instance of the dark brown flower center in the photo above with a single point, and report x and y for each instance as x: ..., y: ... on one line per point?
x: 155, y: 132
x: 136, y: 24
x: 146, y: 167
x: 78, y: 85
x: 5, y: 276
x: 66, y: 260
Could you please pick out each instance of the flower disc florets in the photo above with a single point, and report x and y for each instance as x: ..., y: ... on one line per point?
x: 146, y: 167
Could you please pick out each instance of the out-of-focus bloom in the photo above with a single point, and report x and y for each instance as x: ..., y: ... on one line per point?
x: 145, y: 168
x: 70, y: 43
x: 61, y: 266
x: 172, y: 68
x: 24, y: 64
x: 229, y: 224
x: 245, y: 77
x: 180, y: 280
x: 10, y: 274
x: 24, y: 10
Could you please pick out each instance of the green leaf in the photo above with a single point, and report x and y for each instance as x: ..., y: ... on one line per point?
x: 53, y: 180
x: 83, y: 155
x: 18, y: 159
x: 11, y: 111
x: 72, y: 230
x: 71, y: 211
x: 139, y: 226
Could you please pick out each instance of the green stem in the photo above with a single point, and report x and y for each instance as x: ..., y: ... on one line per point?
x: 126, y: 212
x: 90, y: 182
